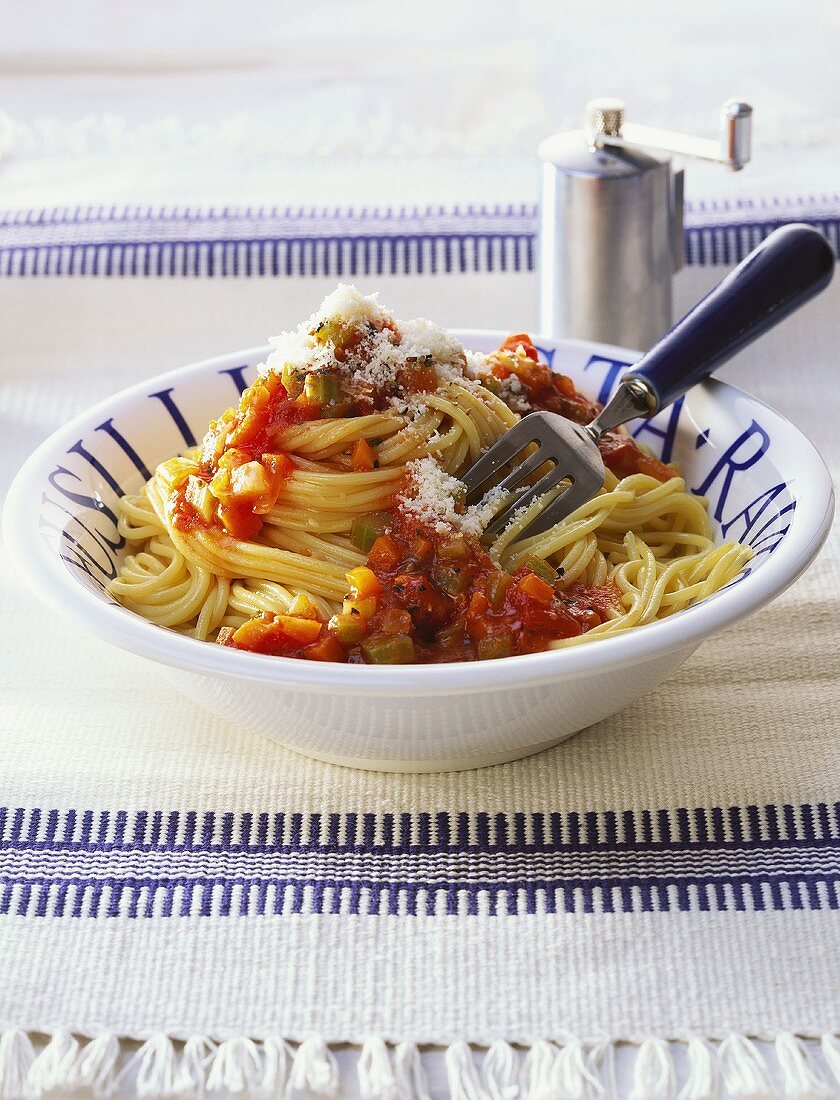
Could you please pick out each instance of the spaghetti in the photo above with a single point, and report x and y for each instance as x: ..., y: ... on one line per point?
x: 323, y: 518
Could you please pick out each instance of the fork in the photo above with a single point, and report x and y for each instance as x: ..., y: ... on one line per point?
x: 787, y: 269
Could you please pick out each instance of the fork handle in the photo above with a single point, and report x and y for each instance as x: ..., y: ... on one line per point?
x: 786, y: 270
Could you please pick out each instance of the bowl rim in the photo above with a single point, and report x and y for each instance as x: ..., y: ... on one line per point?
x: 55, y: 585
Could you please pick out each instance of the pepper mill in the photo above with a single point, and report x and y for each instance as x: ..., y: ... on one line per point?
x: 611, y: 222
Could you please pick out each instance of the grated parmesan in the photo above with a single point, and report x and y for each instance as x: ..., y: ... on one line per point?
x: 512, y: 392
x: 435, y: 494
x: 477, y: 363
x: 382, y: 352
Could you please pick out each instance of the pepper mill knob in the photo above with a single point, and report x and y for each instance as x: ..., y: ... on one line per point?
x: 603, y: 116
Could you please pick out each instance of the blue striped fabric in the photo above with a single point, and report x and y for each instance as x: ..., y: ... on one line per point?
x: 255, y: 242
x: 170, y: 864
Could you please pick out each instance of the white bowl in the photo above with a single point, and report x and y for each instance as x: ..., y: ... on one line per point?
x: 765, y: 482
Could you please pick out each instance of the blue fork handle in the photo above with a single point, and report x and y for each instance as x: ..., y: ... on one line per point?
x: 785, y: 271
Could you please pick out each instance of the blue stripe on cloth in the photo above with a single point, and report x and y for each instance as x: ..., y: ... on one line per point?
x: 259, y: 242
x: 111, y: 863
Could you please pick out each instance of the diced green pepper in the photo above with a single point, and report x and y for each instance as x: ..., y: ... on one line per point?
x: 388, y: 649
x: 497, y: 585
x: 321, y: 387
x: 365, y: 530
x: 539, y: 566
x: 495, y: 645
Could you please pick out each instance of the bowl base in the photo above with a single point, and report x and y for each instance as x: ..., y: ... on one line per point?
x: 425, y: 767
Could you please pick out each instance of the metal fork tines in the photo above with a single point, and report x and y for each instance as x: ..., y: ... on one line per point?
x: 563, y: 444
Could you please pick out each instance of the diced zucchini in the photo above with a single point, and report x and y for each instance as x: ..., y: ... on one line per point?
x: 249, y: 481
x: 388, y: 649
x: 329, y: 331
x: 497, y: 585
x: 349, y: 629
x: 422, y: 549
x: 321, y: 387
x: 495, y: 645
x: 453, y: 579
x: 454, y: 549
x: 539, y: 566
x: 292, y: 378
x: 365, y: 530
x: 451, y: 635
x: 220, y: 485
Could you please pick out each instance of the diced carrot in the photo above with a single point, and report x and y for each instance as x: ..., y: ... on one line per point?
x: 252, y: 633
x: 326, y: 649
x: 386, y: 553
x: 303, y: 631
x: 536, y: 588
x: 363, y: 582
x: 563, y: 384
x: 362, y: 456
x: 420, y: 377
x: 476, y: 618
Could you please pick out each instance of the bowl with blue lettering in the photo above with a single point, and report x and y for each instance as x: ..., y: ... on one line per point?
x: 765, y: 484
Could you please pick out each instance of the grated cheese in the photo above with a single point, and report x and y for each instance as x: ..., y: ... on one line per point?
x: 435, y: 494
x: 347, y: 302
x: 479, y: 515
x: 421, y: 337
x: 432, y: 496
x: 512, y: 392
x: 477, y: 363
x: 382, y: 352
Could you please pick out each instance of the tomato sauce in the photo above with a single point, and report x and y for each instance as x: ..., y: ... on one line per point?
x: 264, y: 411
x: 545, y: 389
x: 440, y: 598
x: 246, y: 435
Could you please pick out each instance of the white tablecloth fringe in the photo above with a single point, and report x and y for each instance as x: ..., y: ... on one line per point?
x: 569, y: 1069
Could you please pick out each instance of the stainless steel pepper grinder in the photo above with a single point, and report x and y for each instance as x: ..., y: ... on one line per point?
x: 611, y: 223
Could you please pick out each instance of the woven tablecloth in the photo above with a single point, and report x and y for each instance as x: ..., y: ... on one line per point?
x: 206, y: 908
